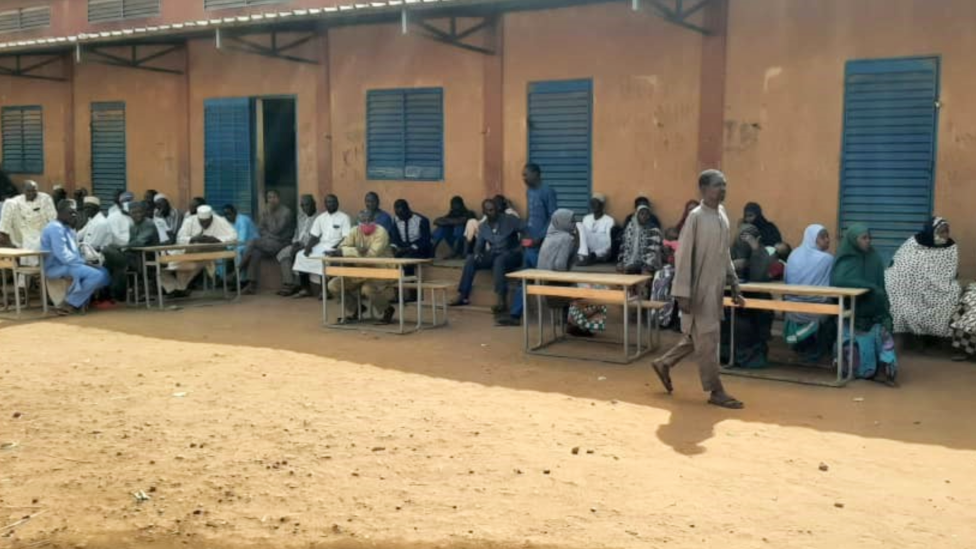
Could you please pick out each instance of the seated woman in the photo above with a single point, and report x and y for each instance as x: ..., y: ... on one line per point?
x: 753, y: 328
x: 810, y: 335
x: 641, y: 250
x: 858, y: 265
x: 556, y: 254
x: 921, y: 282
x: 768, y: 231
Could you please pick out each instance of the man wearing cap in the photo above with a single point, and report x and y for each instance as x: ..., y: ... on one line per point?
x: 24, y: 218
x: 119, y: 223
x: 95, y: 235
x: 167, y: 219
x: 594, y: 231
x: 202, y: 228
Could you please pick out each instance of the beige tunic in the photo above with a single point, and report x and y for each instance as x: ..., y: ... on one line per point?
x: 703, y: 267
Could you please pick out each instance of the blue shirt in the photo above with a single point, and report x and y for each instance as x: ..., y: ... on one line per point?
x: 246, y: 229
x: 61, y: 246
x: 384, y: 220
x: 541, y: 205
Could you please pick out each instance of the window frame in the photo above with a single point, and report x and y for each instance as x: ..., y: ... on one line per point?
x: 123, y: 16
x: 405, y: 130
x: 20, y: 18
x: 22, y: 168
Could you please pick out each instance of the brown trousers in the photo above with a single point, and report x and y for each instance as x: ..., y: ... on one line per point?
x: 705, y: 347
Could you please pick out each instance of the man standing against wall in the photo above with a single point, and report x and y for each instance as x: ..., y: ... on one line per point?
x: 541, y: 203
x: 703, y: 267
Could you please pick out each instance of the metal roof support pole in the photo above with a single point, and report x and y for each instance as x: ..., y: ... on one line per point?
x: 21, y: 71
x: 677, y: 15
x: 404, y: 22
x: 635, y: 5
x: 218, y: 39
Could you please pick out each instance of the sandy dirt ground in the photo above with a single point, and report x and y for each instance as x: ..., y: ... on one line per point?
x: 248, y: 425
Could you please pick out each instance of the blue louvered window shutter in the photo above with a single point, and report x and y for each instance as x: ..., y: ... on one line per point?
x: 108, y: 150
x: 405, y: 134
x: 222, y: 4
x: 560, y: 139
x: 100, y: 11
x: 889, y: 147
x: 228, y: 153
x: 23, y: 139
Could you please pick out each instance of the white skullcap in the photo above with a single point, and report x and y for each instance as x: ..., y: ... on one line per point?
x: 602, y: 198
x: 56, y: 187
x: 93, y: 200
x: 32, y: 185
x: 204, y: 212
x: 159, y: 197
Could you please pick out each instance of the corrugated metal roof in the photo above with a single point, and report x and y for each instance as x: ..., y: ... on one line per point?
x: 309, y: 14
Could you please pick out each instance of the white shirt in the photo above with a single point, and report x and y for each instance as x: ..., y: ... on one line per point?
x: 96, y: 233
x: 221, y: 229
x: 118, y: 226
x: 331, y: 229
x: 597, y: 233
x: 24, y: 221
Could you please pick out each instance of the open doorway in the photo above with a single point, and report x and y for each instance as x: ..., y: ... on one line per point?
x: 250, y: 145
x: 276, y: 149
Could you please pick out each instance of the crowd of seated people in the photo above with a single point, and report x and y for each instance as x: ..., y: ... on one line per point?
x: 916, y: 293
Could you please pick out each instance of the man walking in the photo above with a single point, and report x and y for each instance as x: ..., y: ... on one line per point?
x: 703, y: 267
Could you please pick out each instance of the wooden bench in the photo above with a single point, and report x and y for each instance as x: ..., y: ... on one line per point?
x: 196, y: 257
x: 435, y: 287
x: 783, y: 306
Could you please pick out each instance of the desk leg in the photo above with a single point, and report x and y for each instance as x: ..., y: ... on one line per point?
x: 3, y: 287
x: 237, y: 276
x: 145, y: 280
x: 626, y: 326
x: 399, y: 298
x: 731, y: 362
x: 538, y: 311
x: 640, y: 326
x: 226, y: 264
x: 850, y: 375
x: 17, y: 287
x: 342, y: 299
x: 525, y: 315
x: 43, y: 287
x: 840, y: 340
x: 159, y: 280
x: 325, y: 299
x: 420, y: 298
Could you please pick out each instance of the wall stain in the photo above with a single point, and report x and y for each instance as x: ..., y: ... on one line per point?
x: 741, y: 136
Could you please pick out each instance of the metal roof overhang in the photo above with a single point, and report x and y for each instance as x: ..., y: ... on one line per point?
x: 299, y: 20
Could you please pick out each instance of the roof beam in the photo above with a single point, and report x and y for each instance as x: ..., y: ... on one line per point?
x: 242, y: 42
x: 678, y: 14
x: 451, y: 36
x: 99, y: 55
x: 29, y: 71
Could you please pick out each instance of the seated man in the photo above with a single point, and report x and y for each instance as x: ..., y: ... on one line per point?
x: 118, y: 259
x: 368, y: 239
x: 328, y: 231
x: 95, y: 235
x: 382, y: 218
x: 167, y: 218
x: 451, y: 227
x: 245, y: 227
x: 497, y: 248
x: 286, y: 257
x: 202, y: 228
x: 595, y: 241
x: 64, y: 260
x: 411, y: 232
x: 276, y: 227
x: 503, y: 205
